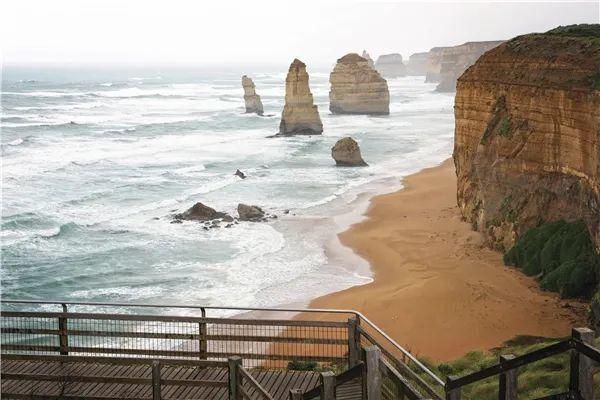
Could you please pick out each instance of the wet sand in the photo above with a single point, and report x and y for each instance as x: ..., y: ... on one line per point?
x: 436, y: 289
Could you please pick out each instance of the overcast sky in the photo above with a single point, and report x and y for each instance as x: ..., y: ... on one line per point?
x: 260, y: 31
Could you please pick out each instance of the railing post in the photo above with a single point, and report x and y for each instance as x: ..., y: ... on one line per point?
x: 295, y: 394
x: 63, y: 332
x: 328, y: 388
x: 353, y: 342
x: 202, y: 343
x: 452, y: 394
x: 373, y: 356
x: 156, y: 387
x: 507, y: 388
x: 582, y: 368
x: 235, y: 363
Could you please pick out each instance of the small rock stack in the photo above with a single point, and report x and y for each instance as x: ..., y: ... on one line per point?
x: 391, y: 65
x: 252, y: 100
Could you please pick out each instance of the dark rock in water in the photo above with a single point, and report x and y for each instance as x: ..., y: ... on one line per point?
x: 346, y: 153
x: 177, y: 221
x: 286, y: 212
x: 240, y: 174
x: 201, y: 212
x: 250, y: 213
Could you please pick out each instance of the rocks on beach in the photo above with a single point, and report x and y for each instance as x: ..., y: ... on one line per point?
x: 300, y: 116
x: 252, y: 100
x: 250, y: 213
x: 201, y: 212
x: 357, y: 88
x: 346, y: 153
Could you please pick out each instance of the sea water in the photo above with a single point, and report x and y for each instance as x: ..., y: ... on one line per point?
x: 96, y: 162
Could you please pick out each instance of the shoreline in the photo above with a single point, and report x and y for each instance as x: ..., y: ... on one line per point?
x: 435, y: 288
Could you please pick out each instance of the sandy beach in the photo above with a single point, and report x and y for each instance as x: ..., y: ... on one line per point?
x: 436, y: 289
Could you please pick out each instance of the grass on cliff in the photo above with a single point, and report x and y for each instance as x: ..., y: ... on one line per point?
x: 542, y: 378
x: 562, y: 254
x: 580, y: 30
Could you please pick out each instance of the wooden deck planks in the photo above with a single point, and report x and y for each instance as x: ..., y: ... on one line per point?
x: 277, y: 382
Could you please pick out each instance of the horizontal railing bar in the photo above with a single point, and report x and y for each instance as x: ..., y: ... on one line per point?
x: 75, y: 378
x: 27, y: 347
x: 254, y: 383
x: 63, y: 397
x: 587, y: 350
x: 113, y: 360
x: 162, y: 318
x: 191, y: 382
x: 508, y: 365
x: 30, y: 331
x: 283, y: 339
x: 359, y: 315
x: 280, y: 357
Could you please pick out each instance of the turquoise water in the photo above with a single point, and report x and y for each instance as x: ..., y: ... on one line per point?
x: 96, y: 162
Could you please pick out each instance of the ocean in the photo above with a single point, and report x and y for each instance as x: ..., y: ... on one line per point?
x: 96, y: 161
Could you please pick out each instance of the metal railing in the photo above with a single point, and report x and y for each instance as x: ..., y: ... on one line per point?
x: 263, y: 337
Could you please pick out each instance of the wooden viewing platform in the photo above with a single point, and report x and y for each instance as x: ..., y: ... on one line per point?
x: 152, y: 356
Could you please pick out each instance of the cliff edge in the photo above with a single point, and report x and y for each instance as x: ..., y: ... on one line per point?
x: 527, y: 134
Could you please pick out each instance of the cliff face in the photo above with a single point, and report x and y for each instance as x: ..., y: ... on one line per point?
x: 300, y: 116
x: 390, y: 65
x: 433, y: 66
x: 357, y: 88
x: 417, y: 64
x: 455, y: 60
x: 252, y: 100
x: 527, y: 134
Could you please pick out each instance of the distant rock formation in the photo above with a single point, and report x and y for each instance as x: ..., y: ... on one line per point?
x: 527, y: 135
x: 433, y: 66
x: 300, y: 116
x: 346, y: 153
x: 201, y: 212
x: 417, y: 64
x: 250, y: 213
x: 367, y: 57
x: 390, y: 65
x: 455, y: 60
x: 252, y: 100
x: 357, y: 88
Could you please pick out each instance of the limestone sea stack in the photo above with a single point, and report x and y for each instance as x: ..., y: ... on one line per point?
x: 527, y: 134
x: 357, y: 88
x: 417, y: 63
x: 367, y: 57
x: 300, y: 116
x: 346, y: 153
x: 252, y: 100
x: 390, y: 65
x: 433, y: 66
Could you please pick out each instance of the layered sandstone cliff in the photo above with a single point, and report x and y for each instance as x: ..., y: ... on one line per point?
x: 390, y: 65
x: 357, y: 88
x: 455, y: 60
x: 433, y: 65
x: 251, y: 99
x: 417, y: 64
x: 527, y: 136
x: 300, y: 116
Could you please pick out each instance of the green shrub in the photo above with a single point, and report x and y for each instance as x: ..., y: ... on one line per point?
x: 297, y: 365
x: 505, y: 126
x: 562, y: 253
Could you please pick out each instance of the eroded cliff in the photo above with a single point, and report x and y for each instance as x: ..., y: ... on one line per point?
x: 527, y: 134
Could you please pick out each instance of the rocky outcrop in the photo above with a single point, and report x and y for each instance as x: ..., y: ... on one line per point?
x: 240, y: 174
x: 417, y: 64
x: 252, y: 100
x: 300, y: 116
x: 390, y: 65
x: 357, y: 88
x: 250, y: 213
x: 201, y: 212
x: 367, y: 57
x: 346, y: 153
x: 433, y: 66
x: 527, y: 134
x: 455, y: 60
